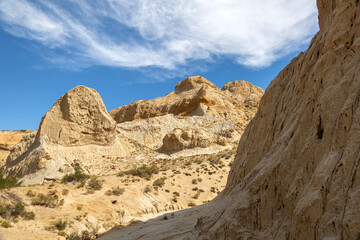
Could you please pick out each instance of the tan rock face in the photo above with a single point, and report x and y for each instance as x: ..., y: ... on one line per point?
x: 78, y: 118
x: 192, y: 96
x: 297, y: 171
x: 78, y: 123
x: 8, y: 140
x: 191, y: 137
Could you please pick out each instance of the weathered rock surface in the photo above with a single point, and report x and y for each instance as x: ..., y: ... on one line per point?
x: 297, y: 173
x: 8, y: 140
x: 78, y: 130
x: 196, y: 115
x: 76, y: 127
x: 194, y: 96
x: 78, y: 118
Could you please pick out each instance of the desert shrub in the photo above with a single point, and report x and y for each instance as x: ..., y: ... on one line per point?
x: 215, y: 161
x: 30, y: 193
x: 199, y: 179
x: 197, y: 194
x: 13, y: 211
x: 147, y: 189
x: 94, y: 184
x: 5, y: 210
x: 143, y: 171
x: 73, y: 236
x: 45, y: 200
x: 160, y: 182
x: 18, y: 209
x: 198, y: 161
x: 81, y: 184
x: 212, y: 189
x: 28, y: 215
x: 118, y: 191
x: 65, y: 192
x: 176, y: 194
x: 8, y: 182
x: 191, y: 204
x: 84, y: 236
x: 77, y: 176
x: 61, y: 225
x: 194, y: 181
x: 90, y: 191
x: 62, y: 233
x: 108, y: 193
x: 6, y: 224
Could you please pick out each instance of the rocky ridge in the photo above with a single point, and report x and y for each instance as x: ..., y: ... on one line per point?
x: 196, y: 118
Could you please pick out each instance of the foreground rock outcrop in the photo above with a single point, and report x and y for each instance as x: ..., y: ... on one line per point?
x: 297, y: 173
x: 76, y: 127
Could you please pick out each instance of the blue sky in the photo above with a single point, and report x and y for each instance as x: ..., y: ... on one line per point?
x: 139, y: 49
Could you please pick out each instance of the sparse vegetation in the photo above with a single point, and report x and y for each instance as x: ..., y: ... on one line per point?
x: 160, y: 182
x: 118, y: 191
x: 11, y: 212
x: 77, y: 176
x: 30, y: 193
x: 147, y: 189
x: 84, y: 236
x: 73, y: 236
x: 61, y: 225
x: 62, y: 233
x: 194, y: 181
x: 28, y: 215
x: 191, y: 204
x: 9, y: 181
x: 198, y: 161
x: 197, y: 194
x: 142, y: 172
x: 51, y: 200
x: 115, y: 191
x: 6, y: 224
x: 65, y: 192
x: 94, y: 184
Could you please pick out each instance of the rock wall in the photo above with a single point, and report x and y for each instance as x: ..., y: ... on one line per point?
x: 297, y: 172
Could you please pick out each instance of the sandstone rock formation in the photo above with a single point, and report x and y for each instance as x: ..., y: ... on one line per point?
x: 193, y: 96
x: 76, y: 127
x: 297, y: 173
x: 78, y: 118
x: 212, y: 116
x: 78, y: 130
x: 8, y: 140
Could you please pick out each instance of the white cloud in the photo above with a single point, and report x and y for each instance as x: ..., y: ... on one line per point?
x: 162, y: 33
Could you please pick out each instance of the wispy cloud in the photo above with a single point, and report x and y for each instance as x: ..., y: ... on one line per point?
x: 161, y: 33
